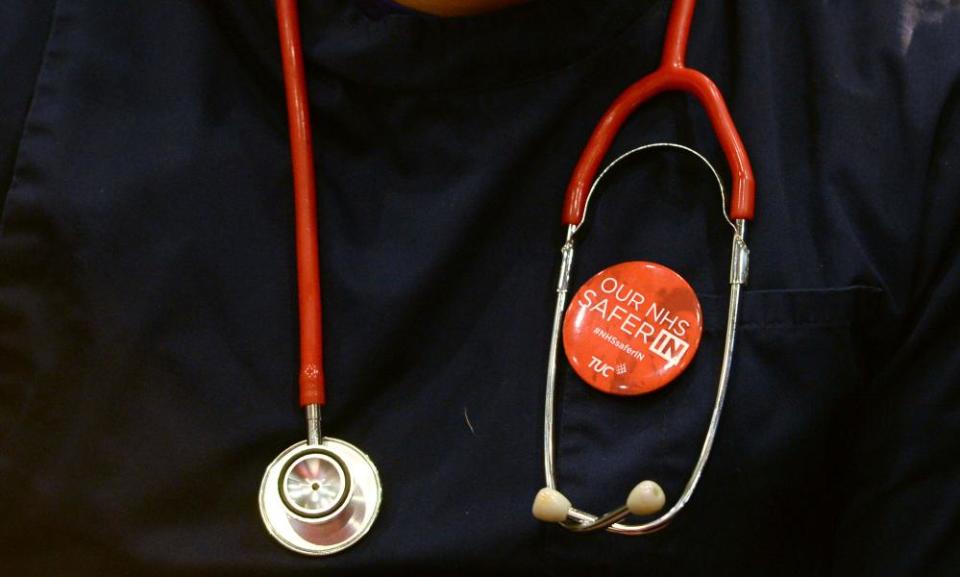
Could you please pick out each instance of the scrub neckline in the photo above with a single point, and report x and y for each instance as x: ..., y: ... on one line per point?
x: 414, y: 52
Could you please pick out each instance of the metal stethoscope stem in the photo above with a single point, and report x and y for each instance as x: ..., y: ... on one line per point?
x: 314, y: 434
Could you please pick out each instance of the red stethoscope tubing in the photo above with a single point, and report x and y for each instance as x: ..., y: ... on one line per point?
x: 672, y: 75
x: 305, y: 206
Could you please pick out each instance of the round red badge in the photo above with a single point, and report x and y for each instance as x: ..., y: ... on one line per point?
x: 632, y: 328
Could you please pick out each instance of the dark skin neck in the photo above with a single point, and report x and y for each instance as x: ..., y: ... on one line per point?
x: 457, y: 7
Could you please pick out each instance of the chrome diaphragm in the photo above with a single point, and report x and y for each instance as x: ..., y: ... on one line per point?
x: 320, y: 498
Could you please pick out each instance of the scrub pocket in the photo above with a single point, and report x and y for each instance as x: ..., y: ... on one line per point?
x: 798, y: 377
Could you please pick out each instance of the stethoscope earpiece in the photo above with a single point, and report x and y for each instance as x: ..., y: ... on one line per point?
x: 646, y: 498
x: 552, y: 506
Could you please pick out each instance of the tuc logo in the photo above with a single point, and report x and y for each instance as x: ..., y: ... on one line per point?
x: 632, y: 328
x: 601, y: 367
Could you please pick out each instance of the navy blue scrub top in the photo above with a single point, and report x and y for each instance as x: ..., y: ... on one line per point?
x: 148, y: 330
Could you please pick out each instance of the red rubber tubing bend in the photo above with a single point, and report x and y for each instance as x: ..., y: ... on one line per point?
x: 672, y: 75
x: 305, y: 206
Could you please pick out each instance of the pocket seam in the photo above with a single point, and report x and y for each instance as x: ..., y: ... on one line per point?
x: 782, y: 309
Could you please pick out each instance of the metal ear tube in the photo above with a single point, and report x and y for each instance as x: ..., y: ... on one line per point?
x: 647, y: 497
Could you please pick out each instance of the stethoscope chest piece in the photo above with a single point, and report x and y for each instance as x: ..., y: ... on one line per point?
x: 319, y: 499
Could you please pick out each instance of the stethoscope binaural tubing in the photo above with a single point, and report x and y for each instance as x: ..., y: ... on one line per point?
x: 671, y: 75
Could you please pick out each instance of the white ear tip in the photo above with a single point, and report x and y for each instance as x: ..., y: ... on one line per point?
x: 550, y: 505
x: 646, y: 498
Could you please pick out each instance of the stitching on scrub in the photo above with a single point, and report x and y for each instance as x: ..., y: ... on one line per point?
x: 814, y: 291
x: 846, y: 308
x: 27, y: 402
x: 794, y: 325
x: 784, y: 325
x: 25, y: 126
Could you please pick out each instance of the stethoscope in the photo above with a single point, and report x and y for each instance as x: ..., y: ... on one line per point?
x: 322, y: 495
x: 647, y: 497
